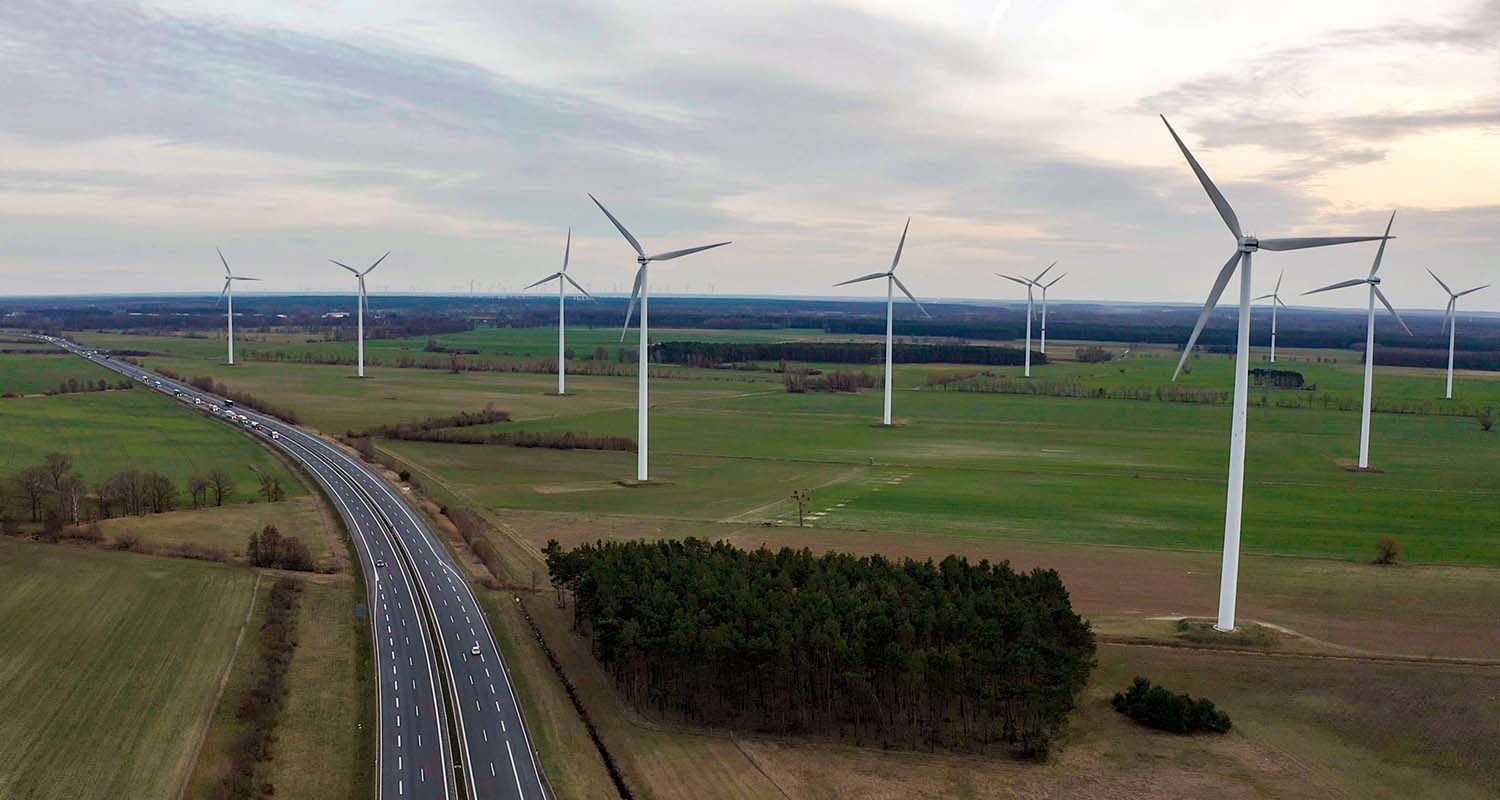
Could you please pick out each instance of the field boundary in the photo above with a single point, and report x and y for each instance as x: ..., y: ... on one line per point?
x: 234, y: 655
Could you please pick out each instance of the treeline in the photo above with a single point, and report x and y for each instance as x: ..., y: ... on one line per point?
x: 840, y: 380
x: 463, y: 419
x: 556, y: 440
x: 1415, y: 357
x: 1276, y: 378
x: 451, y: 362
x: 472, y: 530
x: 55, y: 494
x: 75, y: 386
x: 260, y: 707
x: 710, y: 354
x: 906, y: 653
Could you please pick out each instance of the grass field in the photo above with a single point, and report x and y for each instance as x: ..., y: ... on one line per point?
x: 28, y: 374
x: 106, y: 432
x: 228, y: 527
x: 109, y: 669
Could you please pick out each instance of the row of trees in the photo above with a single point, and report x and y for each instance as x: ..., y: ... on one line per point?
x: 463, y: 419
x: 75, y: 386
x: 260, y: 706
x: 907, y: 653
x: 709, y: 354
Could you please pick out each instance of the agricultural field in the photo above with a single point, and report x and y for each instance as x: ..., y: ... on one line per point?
x: 143, y: 642
x: 107, y: 432
x: 34, y: 374
x: 227, y: 528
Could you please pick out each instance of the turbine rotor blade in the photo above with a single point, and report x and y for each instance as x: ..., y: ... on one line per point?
x: 634, y: 293
x: 226, y: 262
x: 1037, y: 280
x: 1263, y: 297
x: 872, y: 276
x: 1339, y: 285
x: 1282, y: 303
x: 569, y: 279
x: 1054, y: 282
x: 668, y: 256
x: 1225, y: 273
x: 909, y: 296
x: 376, y: 264
x: 1022, y: 281
x: 1471, y: 291
x: 1208, y: 185
x: 1380, y: 253
x: 1277, y: 290
x: 1440, y: 282
x: 621, y: 228
x: 1315, y: 241
x: 567, y: 249
x: 1392, y: 309
x: 242, y: 278
x: 1448, y: 312
x: 900, y: 245
x: 542, y: 281
x: 345, y: 266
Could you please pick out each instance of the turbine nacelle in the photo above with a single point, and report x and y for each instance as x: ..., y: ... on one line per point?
x: 1249, y: 244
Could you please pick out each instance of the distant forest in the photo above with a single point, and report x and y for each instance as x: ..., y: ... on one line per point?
x: 708, y: 354
x: 903, y: 653
x: 403, y: 316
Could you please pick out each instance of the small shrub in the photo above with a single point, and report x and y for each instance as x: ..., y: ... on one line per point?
x: 1486, y: 419
x: 1387, y: 550
x: 127, y: 541
x: 1156, y: 707
x: 1184, y: 625
x: 404, y: 475
x: 1093, y: 355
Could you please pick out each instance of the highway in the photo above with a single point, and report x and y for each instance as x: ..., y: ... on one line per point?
x: 450, y: 722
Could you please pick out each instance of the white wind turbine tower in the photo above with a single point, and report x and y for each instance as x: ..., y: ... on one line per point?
x: 1245, y: 246
x: 228, y: 292
x: 891, y: 281
x: 364, y: 301
x: 1375, y: 294
x: 1275, y: 298
x: 1030, y: 283
x: 642, y: 290
x: 1450, y: 318
x: 562, y: 279
x: 1045, y: 287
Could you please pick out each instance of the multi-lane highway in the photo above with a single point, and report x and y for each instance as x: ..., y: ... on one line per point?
x: 450, y: 722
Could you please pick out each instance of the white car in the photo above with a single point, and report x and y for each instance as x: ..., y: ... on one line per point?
x: 474, y: 651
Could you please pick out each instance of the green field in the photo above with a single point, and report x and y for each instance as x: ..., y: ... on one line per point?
x: 228, y: 527
x: 110, y: 665
x: 1138, y: 473
x: 106, y: 432
x: 28, y: 374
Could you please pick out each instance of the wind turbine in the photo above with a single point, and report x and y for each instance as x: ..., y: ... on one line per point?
x: 1374, y: 283
x: 642, y: 290
x: 562, y: 279
x: 891, y: 281
x: 1030, y: 283
x: 1275, y: 298
x: 364, y: 301
x: 1245, y: 246
x: 1045, y: 287
x: 1450, y: 319
x: 228, y: 292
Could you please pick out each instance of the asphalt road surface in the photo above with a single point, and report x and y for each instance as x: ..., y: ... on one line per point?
x: 450, y: 725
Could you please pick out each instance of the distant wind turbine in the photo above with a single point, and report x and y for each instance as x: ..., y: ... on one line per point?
x: 364, y: 301
x: 891, y: 281
x: 1245, y: 246
x: 228, y: 293
x: 562, y: 279
x: 1375, y: 294
x: 1030, y: 284
x: 642, y: 290
x: 1450, y: 319
x: 1045, y: 287
x: 1275, y: 298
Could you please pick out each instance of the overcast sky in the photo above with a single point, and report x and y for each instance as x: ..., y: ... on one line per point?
x: 464, y: 137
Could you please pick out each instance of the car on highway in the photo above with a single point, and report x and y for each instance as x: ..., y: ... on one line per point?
x: 379, y: 562
x: 474, y: 651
